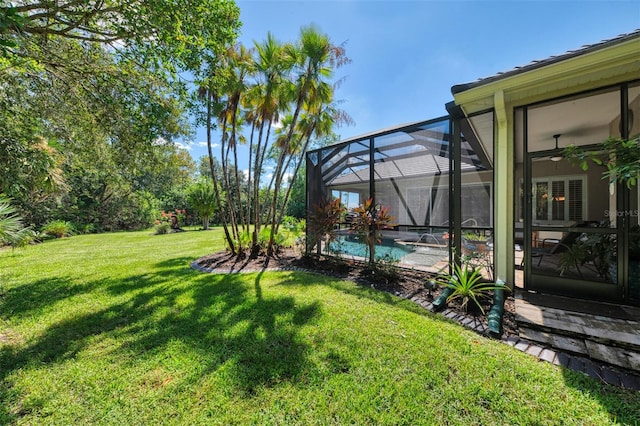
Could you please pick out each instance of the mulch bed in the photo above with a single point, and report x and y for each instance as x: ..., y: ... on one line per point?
x: 409, y: 282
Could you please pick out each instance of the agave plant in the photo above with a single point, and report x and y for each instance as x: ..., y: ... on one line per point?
x: 468, y: 285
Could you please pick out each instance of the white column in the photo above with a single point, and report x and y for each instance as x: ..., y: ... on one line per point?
x: 504, y: 167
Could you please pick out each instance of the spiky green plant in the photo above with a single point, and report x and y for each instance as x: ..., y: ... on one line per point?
x: 12, y: 231
x: 58, y: 229
x: 467, y: 284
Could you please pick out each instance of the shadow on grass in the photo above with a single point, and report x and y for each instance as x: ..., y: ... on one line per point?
x: 232, y: 319
x: 355, y: 289
x: 229, y: 319
x: 34, y: 296
x: 623, y: 406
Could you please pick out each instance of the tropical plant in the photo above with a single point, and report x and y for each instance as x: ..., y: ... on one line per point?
x: 467, y: 284
x: 163, y: 228
x: 314, y: 59
x: 202, y: 199
x: 322, y: 221
x: 58, y: 229
x: 284, y: 86
x: 622, y: 159
x: 385, y: 269
x: 580, y: 252
x: 599, y: 249
x: 12, y: 231
x: 474, y: 236
x: 369, y: 220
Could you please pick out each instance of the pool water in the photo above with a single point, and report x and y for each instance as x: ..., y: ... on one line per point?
x: 388, y: 249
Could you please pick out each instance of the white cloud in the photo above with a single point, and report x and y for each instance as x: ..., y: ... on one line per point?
x: 203, y: 144
x: 160, y: 141
x: 183, y: 146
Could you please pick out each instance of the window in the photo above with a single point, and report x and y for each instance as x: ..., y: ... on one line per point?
x: 559, y: 199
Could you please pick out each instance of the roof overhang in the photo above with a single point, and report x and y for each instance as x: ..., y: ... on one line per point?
x: 597, y: 66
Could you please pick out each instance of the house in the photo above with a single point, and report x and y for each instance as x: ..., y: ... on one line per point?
x: 582, y: 98
x: 494, y: 167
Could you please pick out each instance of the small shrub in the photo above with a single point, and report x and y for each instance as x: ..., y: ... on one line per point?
x: 58, y: 229
x: 384, y: 269
x: 369, y: 219
x: 24, y: 237
x: 163, y: 228
x: 322, y: 222
x: 294, y: 224
x: 473, y: 236
x: 85, y: 228
x: 467, y: 284
x: 280, y: 239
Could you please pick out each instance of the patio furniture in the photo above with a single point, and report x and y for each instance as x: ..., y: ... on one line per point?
x: 558, y: 247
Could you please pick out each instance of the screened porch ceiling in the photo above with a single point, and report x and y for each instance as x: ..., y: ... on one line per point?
x: 411, y: 152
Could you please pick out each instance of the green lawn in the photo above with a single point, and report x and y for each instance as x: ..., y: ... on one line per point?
x: 117, y: 329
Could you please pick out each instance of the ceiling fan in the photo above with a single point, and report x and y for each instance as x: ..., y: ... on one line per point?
x: 556, y: 156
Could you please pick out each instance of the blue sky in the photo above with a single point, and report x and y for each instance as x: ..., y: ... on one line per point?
x: 406, y: 55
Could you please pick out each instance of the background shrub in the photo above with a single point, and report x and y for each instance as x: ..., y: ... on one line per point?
x: 163, y: 228
x: 58, y: 229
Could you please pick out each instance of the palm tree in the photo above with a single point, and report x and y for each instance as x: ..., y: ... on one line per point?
x: 238, y: 66
x: 314, y: 58
x: 203, y: 200
x: 267, y: 102
x: 206, y: 94
x: 317, y: 122
x: 12, y: 230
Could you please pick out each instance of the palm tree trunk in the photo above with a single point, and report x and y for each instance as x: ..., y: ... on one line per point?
x: 293, y: 177
x: 257, y: 170
x: 213, y: 173
x: 238, y: 201
x: 276, y: 189
x: 225, y: 172
x: 249, y: 200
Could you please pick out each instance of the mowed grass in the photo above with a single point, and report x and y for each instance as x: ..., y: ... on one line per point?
x: 118, y: 329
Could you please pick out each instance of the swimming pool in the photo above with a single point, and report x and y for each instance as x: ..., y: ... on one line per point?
x: 386, y: 249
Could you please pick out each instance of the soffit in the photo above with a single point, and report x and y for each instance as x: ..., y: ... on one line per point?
x: 610, y: 65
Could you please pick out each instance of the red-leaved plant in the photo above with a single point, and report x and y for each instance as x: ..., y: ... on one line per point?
x: 368, y: 222
x: 322, y: 221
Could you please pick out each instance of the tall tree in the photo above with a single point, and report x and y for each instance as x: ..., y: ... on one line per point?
x: 285, y: 86
x: 96, y: 87
x: 202, y: 200
x: 268, y: 99
x: 164, y: 34
x: 314, y: 58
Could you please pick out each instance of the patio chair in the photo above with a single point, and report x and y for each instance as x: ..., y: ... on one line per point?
x: 559, y: 246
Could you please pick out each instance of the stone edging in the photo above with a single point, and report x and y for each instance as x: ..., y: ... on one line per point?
x: 596, y: 370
